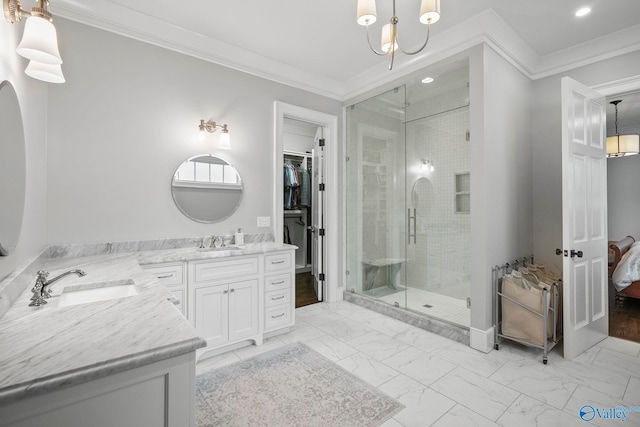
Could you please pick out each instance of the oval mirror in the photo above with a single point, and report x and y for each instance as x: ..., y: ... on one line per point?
x: 206, y: 188
x: 12, y: 169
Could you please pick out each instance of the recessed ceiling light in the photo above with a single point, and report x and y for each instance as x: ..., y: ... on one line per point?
x: 427, y: 80
x: 583, y: 11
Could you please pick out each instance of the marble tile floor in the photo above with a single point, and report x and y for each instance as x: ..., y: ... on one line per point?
x: 445, y: 383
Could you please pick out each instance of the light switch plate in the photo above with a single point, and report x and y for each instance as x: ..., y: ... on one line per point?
x: 264, y: 221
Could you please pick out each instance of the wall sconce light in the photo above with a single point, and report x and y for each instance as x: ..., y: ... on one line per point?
x: 427, y: 165
x: 39, y: 41
x: 225, y: 140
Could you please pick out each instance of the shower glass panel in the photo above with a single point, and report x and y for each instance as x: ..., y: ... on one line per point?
x: 408, y: 197
x: 376, y: 216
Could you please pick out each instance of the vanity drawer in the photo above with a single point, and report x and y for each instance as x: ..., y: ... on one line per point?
x: 274, y: 298
x: 277, y: 316
x: 281, y: 281
x: 228, y: 268
x: 179, y: 292
x: 283, y: 261
x: 169, y: 274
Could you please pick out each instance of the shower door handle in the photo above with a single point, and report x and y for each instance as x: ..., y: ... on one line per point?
x: 409, y: 218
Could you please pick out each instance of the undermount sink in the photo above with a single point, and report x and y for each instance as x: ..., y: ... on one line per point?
x: 82, y: 294
x: 222, y: 248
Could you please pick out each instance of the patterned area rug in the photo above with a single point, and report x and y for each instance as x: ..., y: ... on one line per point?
x: 289, y: 386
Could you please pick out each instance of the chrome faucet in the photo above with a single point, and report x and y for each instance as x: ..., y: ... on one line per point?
x: 42, y: 289
x: 217, y: 241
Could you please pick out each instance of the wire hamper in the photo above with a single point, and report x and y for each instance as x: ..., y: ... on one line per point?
x: 548, y: 314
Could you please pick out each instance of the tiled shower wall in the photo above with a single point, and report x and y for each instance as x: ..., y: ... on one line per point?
x: 437, y: 131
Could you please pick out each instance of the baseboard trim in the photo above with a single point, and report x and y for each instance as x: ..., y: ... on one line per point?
x: 482, y: 340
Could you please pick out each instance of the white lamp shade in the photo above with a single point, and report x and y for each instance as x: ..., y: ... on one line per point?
x: 366, y: 12
x: 225, y: 141
x: 385, y: 44
x: 623, y: 145
x: 45, y: 72
x: 430, y: 11
x: 40, y: 42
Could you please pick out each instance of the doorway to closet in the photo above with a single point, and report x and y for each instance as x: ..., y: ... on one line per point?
x: 303, y: 189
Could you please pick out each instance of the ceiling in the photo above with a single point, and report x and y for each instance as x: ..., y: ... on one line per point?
x: 319, y: 46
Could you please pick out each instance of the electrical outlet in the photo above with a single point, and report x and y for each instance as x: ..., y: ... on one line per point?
x: 264, y: 221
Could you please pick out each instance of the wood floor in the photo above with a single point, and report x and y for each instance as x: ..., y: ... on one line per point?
x: 305, y: 291
x: 624, y: 319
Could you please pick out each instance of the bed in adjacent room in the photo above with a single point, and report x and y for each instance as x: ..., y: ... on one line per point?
x: 624, y: 268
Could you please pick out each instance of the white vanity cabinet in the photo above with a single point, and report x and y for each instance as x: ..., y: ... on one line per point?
x: 173, y: 276
x: 224, y: 300
x: 158, y: 394
x: 233, y: 299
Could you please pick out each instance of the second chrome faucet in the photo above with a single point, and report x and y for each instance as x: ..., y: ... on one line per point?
x: 42, y: 289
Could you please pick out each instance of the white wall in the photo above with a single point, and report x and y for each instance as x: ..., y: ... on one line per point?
x: 501, y: 176
x: 547, y: 146
x: 32, y: 96
x: 128, y: 116
x: 623, y: 199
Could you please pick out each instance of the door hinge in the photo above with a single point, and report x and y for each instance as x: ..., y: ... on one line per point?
x: 321, y: 232
x: 321, y: 187
x: 321, y: 142
x: 321, y: 277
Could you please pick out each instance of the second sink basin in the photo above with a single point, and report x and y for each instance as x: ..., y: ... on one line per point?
x: 82, y: 294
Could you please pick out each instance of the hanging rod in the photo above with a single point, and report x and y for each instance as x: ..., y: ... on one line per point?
x: 296, y: 153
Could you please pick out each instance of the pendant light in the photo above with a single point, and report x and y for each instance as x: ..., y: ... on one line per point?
x: 622, y: 145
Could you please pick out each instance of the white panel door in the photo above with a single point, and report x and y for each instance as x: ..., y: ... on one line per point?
x: 584, y: 217
x: 317, y: 214
x: 243, y: 309
x: 211, y: 313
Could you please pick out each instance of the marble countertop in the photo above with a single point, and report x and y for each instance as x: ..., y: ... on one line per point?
x: 45, y: 348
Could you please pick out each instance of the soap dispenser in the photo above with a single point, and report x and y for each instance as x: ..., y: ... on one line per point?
x: 239, y: 238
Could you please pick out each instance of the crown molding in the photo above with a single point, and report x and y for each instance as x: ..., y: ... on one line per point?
x: 487, y: 27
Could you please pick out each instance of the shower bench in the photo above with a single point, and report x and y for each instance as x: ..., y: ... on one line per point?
x: 390, y: 268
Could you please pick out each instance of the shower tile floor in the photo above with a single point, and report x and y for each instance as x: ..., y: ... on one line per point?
x: 444, y: 383
x: 442, y: 307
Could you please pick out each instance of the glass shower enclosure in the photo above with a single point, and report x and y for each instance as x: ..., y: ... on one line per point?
x: 408, y: 190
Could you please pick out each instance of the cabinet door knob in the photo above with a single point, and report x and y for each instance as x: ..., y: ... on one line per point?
x: 232, y: 290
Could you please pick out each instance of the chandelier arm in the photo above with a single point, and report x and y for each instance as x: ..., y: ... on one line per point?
x: 421, y: 47
x: 392, y: 56
x: 371, y: 46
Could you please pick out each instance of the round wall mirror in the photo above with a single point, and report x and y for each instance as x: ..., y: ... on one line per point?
x: 12, y: 169
x: 206, y: 188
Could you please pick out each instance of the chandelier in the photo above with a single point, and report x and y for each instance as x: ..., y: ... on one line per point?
x: 622, y: 145
x: 390, y: 43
